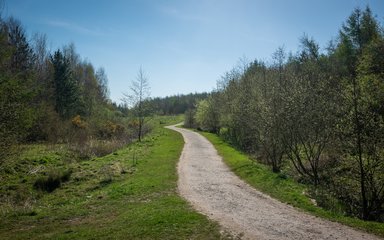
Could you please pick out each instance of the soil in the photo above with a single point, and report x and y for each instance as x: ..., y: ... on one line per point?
x: 209, y: 185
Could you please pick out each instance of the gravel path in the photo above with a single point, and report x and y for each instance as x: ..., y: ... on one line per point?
x: 208, y: 184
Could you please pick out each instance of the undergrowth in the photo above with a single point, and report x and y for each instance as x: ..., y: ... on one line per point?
x: 284, y: 188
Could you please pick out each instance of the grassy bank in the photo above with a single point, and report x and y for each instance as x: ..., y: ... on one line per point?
x: 130, y: 194
x: 280, y: 187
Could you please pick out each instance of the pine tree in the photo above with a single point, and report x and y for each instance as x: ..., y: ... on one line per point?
x: 66, y: 88
x: 360, y: 30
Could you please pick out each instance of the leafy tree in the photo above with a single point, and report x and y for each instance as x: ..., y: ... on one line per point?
x: 241, y: 110
x: 206, y: 116
x: 271, y: 117
x: 322, y: 112
x: 370, y: 78
x: 360, y: 30
x: 310, y: 111
x: 189, y: 119
x: 16, y: 88
x: 177, y: 104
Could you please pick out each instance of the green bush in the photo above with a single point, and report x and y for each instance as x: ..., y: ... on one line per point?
x: 53, y: 180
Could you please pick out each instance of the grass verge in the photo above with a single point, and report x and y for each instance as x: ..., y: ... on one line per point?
x: 280, y: 187
x: 130, y: 194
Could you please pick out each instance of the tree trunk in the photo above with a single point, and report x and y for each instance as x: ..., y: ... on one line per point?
x: 140, y: 129
x: 360, y: 152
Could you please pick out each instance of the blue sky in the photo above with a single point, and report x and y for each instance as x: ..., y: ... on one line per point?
x: 182, y: 45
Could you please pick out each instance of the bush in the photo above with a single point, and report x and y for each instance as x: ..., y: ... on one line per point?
x: 111, y: 130
x: 54, y: 180
x: 189, y: 119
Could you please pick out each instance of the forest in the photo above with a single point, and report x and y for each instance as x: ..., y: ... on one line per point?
x: 56, y: 112
x: 313, y: 115
x: 51, y: 97
x: 58, y: 97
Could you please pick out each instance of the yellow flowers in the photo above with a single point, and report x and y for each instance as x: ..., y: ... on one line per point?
x: 78, y: 122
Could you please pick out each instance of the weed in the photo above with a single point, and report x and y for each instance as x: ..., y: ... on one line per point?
x: 53, y: 180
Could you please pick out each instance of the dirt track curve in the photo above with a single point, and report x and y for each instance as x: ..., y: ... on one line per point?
x: 208, y: 184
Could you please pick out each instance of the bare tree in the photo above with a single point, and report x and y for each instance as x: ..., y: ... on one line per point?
x: 137, y: 100
x: 2, y: 6
x: 102, y: 80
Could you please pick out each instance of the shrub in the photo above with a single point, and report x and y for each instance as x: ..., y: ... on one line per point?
x: 53, y: 180
x: 111, y: 130
x: 78, y: 122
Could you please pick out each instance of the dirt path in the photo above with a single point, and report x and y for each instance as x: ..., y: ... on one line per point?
x: 208, y: 184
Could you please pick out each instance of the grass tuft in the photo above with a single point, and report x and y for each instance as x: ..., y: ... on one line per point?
x: 54, y: 180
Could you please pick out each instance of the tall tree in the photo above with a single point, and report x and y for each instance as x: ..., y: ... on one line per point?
x: 370, y: 78
x: 207, y: 116
x: 16, y: 84
x: 271, y: 118
x: 66, y: 89
x: 359, y: 31
x: 102, y: 80
x: 22, y: 57
x: 310, y: 111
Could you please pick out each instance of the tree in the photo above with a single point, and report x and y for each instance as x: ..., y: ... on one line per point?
x: 102, y: 80
x: 189, y: 119
x: 206, y: 116
x: 323, y: 112
x: 271, y: 117
x: 370, y: 78
x: 67, y: 91
x: 16, y: 85
x: 239, y: 113
x: 310, y: 112
x: 22, y: 58
x: 360, y: 30
x: 138, y: 101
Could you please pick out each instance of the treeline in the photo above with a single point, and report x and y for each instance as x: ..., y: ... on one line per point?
x: 54, y: 97
x: 177, y: 104
x: 318, y: 116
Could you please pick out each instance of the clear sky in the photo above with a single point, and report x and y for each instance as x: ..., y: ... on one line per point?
x: 183, y: 45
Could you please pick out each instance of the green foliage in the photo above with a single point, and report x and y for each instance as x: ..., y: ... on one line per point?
x: 16, y: 86
x: 107, y: 196
x: 286, y: 189
x: 53, y: 180
x: 67, y: 91
x: 53, y: 98
x: 189, y: 119
x: 22, y: 55
x: 362, y: 123
x: 206, y: 116
x: 178, y: 104
x: 318, y: 115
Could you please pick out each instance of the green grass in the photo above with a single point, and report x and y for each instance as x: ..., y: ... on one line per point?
x: 106, y: 198
x: 280, y: 187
